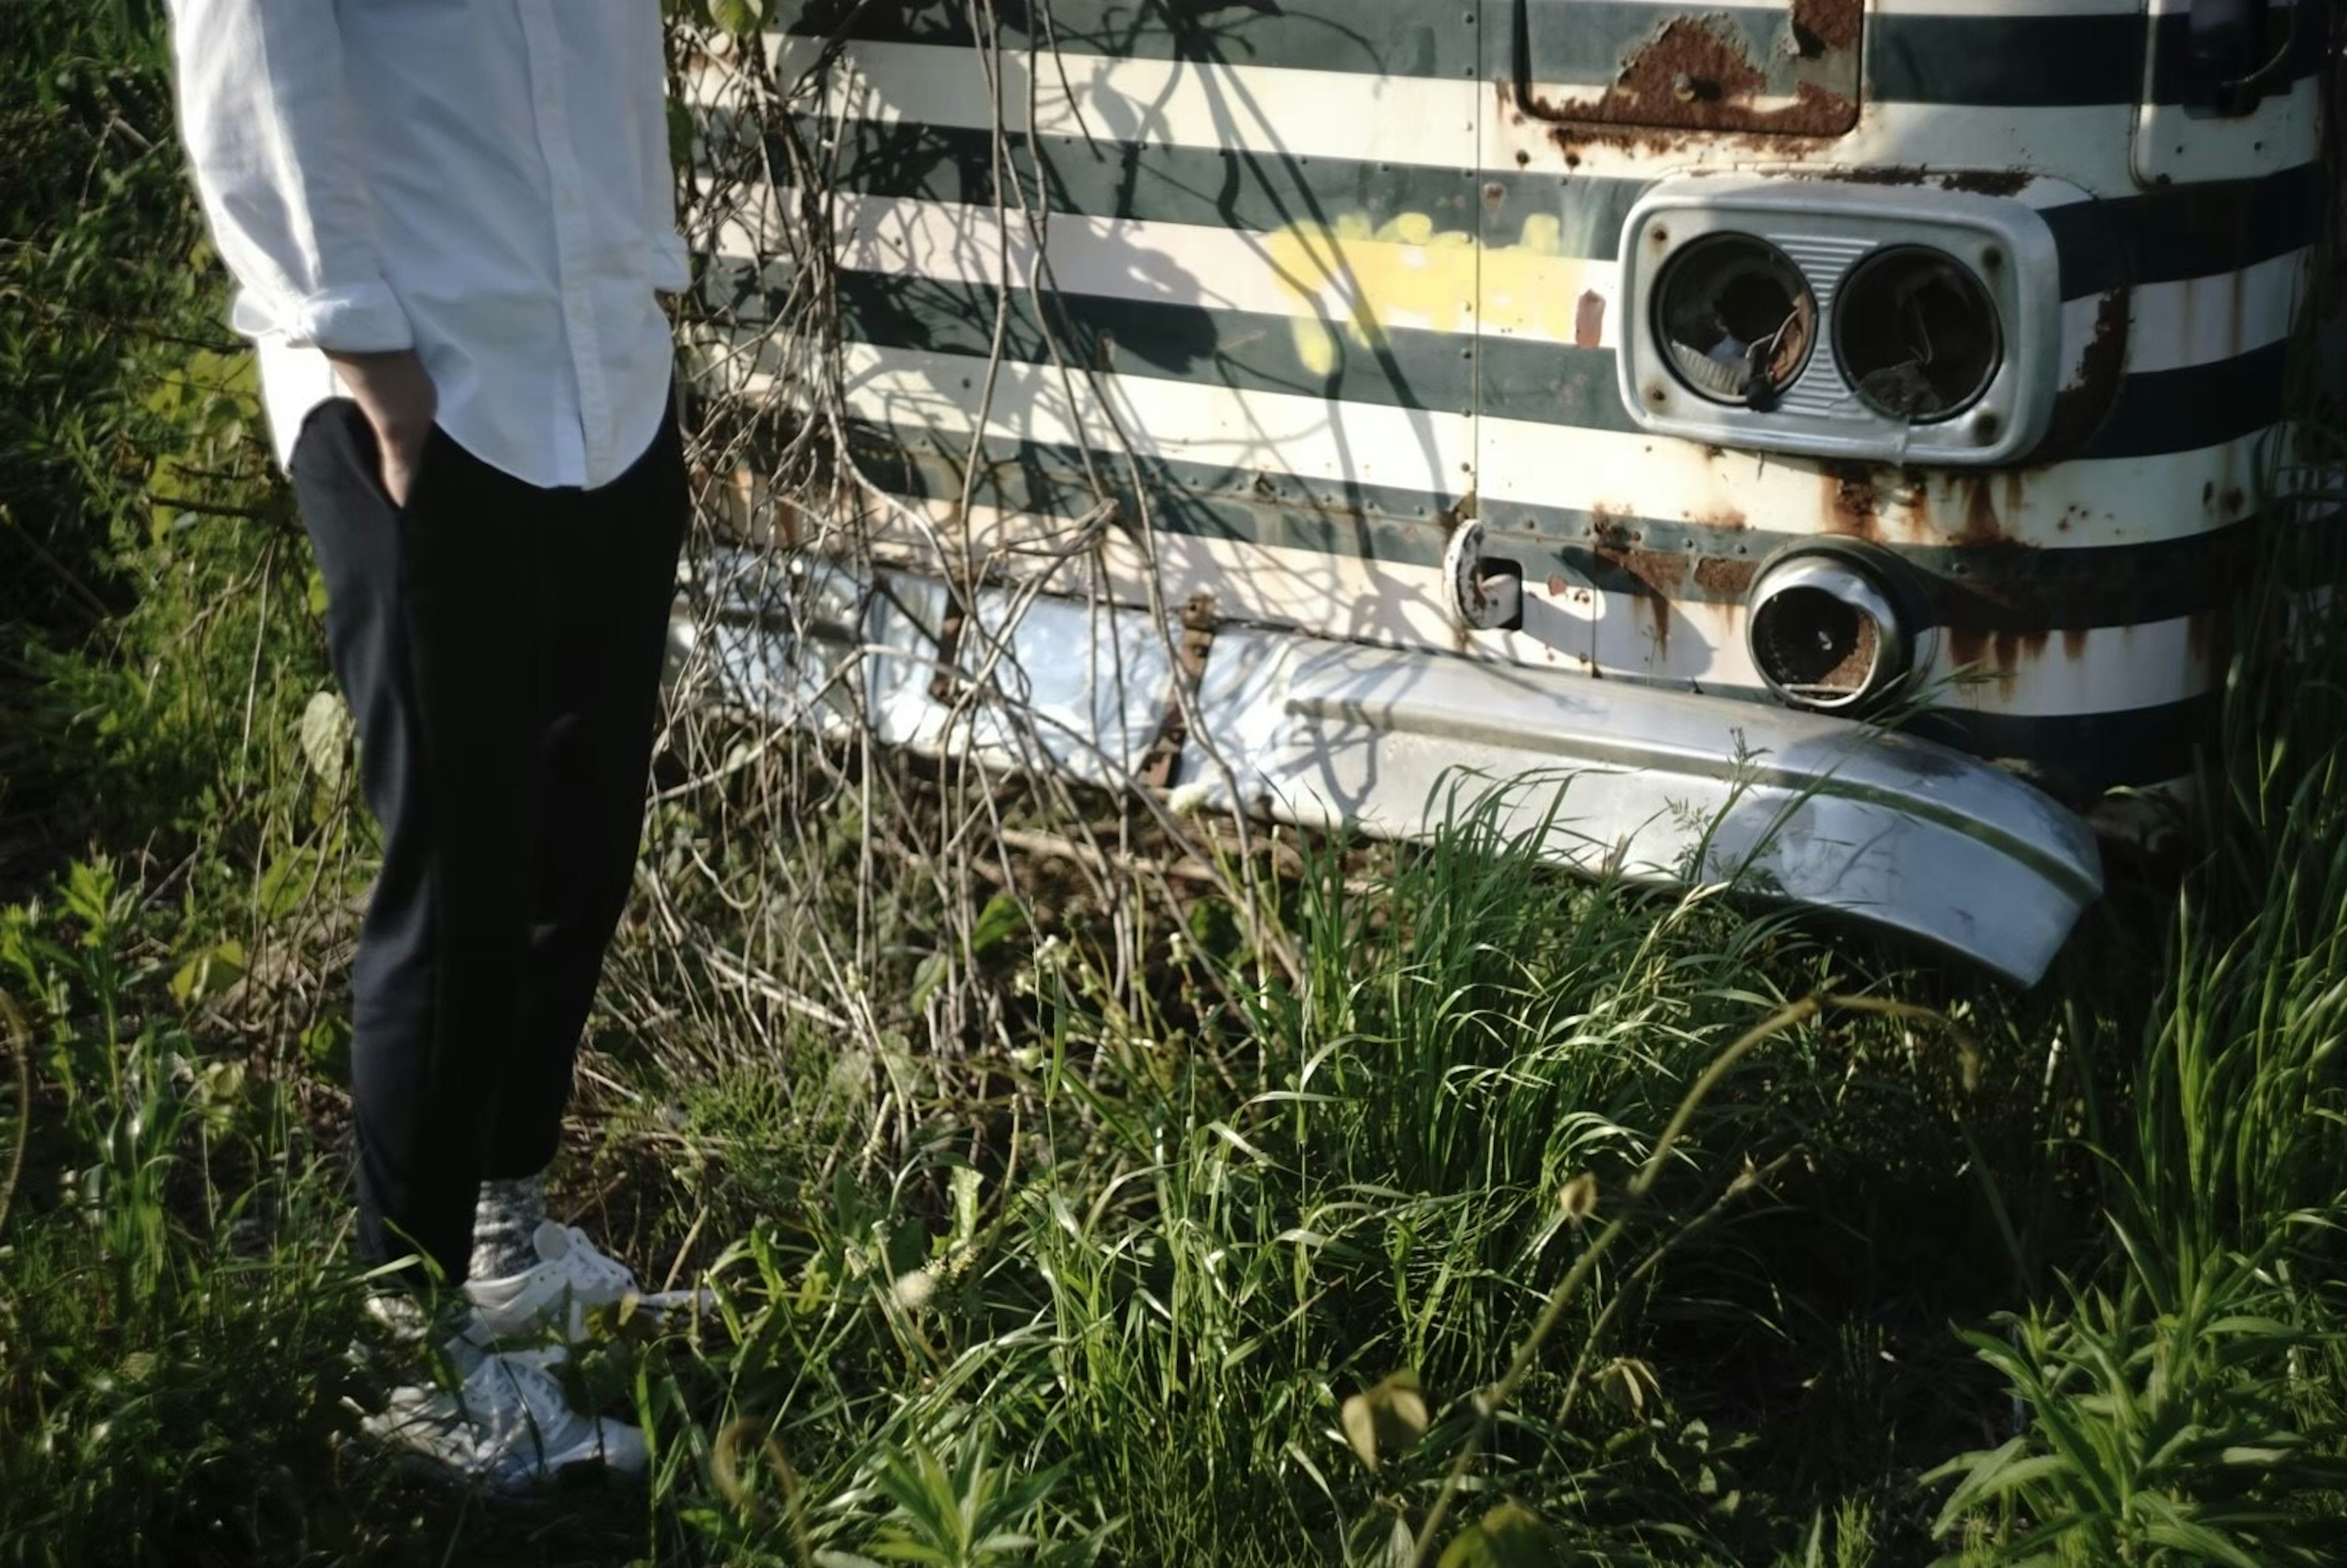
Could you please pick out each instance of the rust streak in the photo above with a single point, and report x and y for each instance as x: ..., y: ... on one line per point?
x: 1980, y: 526
x: 2199, y: 635
x: 1661, y: 574
x: 1852, y: 505
x: 1997, y: 654
x: 1725, y: 575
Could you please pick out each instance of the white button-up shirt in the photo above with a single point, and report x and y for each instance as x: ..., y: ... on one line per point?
x: 485, y: 181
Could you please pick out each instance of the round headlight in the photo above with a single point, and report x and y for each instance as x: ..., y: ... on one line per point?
x: 1916, y: 334
x: 1736, y: 318
x: 1825, y: 635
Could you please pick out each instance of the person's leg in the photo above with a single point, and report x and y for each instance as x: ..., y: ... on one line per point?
x: 436, y: 622
x: 612, y: 555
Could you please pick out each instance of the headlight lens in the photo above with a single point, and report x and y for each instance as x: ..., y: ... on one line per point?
x: 1916, y: 334
x: 1737, y: 318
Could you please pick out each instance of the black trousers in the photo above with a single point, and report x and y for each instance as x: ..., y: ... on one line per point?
x: 500, y: 645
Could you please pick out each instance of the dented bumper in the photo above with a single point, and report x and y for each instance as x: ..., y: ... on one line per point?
x: 1613, y: 778
x: 1659, y: 785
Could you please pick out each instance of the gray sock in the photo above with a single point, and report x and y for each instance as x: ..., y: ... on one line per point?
x: 505, y: 1218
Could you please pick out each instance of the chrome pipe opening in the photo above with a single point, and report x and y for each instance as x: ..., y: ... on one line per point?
x: 1826, y: 635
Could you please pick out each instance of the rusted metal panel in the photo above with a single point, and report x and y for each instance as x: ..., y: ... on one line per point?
x: 1778, y: 70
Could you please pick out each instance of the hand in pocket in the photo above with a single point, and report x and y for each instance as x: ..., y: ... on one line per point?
x: 398, y: 399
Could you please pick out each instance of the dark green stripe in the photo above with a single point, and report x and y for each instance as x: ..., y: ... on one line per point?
x: 2185, y: 230
x: 1403, y: 367
x: 2005, y: 62
x: 1399, y: 366
x: 1991, y: 61
x: 1989, y: 590
x: 1553, y: 383
x: 2192, y: 406
x: 1378, y: 522
x: 1377, y: 37
x: 2079, y: 756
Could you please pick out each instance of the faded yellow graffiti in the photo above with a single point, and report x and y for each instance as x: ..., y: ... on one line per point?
x: 1362, y: 282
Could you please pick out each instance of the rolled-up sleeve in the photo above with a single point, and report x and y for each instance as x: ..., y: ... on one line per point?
x: 266, y: 121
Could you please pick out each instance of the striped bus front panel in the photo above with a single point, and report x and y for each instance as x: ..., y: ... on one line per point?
x: 1303, y: 286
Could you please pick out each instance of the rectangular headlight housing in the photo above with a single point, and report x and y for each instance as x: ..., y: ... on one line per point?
x: 1844, y: 320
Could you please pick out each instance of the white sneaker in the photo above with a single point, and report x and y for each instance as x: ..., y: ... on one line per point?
x: 572, y: 1277
x: 506, y: 1426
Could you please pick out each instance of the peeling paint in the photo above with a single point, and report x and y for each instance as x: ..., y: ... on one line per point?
x: 1691, y: 76
x: 1589, y: 319
x: 1824, y: 25
x: 1979, y: 181
x: 2088, y: 392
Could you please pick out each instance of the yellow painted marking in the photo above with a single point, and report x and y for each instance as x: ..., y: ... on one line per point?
x: 1363, y: 281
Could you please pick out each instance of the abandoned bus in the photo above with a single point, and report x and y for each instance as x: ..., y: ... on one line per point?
x: 1817, y: 437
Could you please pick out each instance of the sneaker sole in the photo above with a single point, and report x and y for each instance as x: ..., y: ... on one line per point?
x: 619, y: 1460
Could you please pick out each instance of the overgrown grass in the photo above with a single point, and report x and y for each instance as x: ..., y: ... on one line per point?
x: 1213, y: 1244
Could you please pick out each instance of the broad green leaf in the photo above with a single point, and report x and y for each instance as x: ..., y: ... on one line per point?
x: 1510, y: 1536
x: 287, y: 882
x: 1386, y: 1421
x: 928, y: 977
x: 209, y: 973
x: 1003, y: 917
x: 962, y: 1181
x: 737, y: 16
x: 325, y: 736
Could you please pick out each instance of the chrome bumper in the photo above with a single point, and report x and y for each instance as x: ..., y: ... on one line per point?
x: 1615, y: 779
